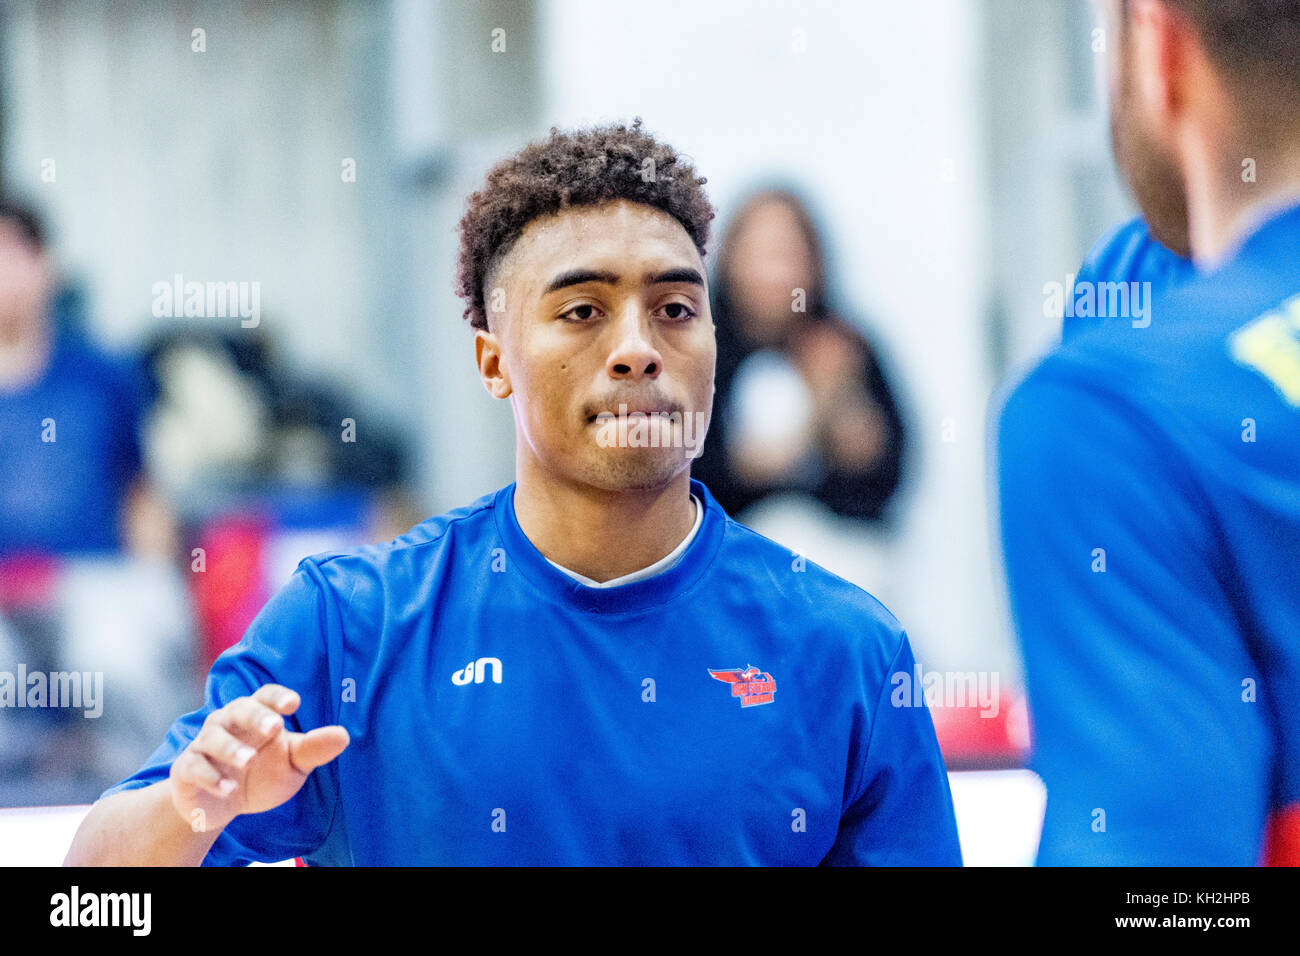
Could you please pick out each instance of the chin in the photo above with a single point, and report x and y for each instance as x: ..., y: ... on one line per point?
x: 621, y: 469
x: 1172, y: 233
x: 1153, y: 176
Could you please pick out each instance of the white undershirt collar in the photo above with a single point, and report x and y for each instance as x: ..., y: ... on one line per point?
x: 663, y: 564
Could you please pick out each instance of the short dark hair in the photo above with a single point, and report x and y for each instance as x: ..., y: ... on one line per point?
x: 1252, y: 41
x: 26, y: 219
x: 573, y: 168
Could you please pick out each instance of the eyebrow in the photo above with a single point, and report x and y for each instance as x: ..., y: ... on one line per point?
x: 580, y: 276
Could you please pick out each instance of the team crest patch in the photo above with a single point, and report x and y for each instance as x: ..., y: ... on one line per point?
x: 751, y: 685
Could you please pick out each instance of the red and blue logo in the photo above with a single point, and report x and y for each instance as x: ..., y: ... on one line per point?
x: 751, y: 685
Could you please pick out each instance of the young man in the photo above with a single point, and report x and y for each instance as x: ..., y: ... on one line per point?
x: 1158, y: 599
x: 593, y: 665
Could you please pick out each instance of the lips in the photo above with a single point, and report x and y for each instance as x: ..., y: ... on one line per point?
x: 645, y: 411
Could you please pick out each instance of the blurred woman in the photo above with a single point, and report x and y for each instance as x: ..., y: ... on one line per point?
x: 801, y: 403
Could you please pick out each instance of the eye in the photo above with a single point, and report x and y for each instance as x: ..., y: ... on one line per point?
x: 583, y: 312
x: 677, y: 312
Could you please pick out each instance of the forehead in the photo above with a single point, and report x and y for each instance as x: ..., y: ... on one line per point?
x: 769, y: 211
x: 598, y: 236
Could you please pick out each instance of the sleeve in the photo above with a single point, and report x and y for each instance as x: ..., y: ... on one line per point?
x: 901, y: 813
x: 1132, y: 654
x: 285, y: 644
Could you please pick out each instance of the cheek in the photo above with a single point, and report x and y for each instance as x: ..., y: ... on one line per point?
x: 702, y: 361
x: 548, y: 392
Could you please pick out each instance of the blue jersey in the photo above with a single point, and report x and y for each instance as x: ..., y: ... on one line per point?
x: 69, y: 449
x: 1130, y: 255
x: 1149, y: 485
x: 733, y: 709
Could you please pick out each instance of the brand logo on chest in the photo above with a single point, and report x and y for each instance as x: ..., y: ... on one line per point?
x: 475, y: 672
x: 751, y: 685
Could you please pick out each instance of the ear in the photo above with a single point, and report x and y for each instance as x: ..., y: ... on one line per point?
x: 491, y: 365
x: 1162, y: 45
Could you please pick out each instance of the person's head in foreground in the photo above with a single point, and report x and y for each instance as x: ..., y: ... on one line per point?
x: 1205, y: 110
x: 582, y: 263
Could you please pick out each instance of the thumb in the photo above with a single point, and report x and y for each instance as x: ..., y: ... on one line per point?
x: 316, y: 747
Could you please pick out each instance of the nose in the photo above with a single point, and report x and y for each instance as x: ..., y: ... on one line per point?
x: 634, y: 355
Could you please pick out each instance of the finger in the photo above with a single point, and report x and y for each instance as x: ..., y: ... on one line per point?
x: 310, y: 750
x: 194, y: 769
x: 251, y: 721
x: 278, y: 697
x: 219, y: 744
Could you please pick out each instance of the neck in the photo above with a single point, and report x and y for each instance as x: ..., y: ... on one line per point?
x: 601, y: 534
x: 24, y: 353
x: 1223, y: 208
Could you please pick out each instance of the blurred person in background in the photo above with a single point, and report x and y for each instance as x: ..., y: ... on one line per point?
x: 87, y: 580
x: 265, y: 464
x: 801, y: 403
x: 72, y: 478
x: 807, y: 442
x: 1149, y: 471
x: 232, y: 414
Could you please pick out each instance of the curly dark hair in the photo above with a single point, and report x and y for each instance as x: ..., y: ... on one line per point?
x: 572, y: 168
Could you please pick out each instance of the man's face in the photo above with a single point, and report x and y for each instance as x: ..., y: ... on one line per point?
x: 24, y: 282
x: 604, y: 306
x: 1145, y: 157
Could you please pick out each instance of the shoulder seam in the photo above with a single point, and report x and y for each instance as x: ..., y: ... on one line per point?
x: 824, y: 570
x: 329, y: 556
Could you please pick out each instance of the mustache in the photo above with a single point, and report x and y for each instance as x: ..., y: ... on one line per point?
x: 634, y: 403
